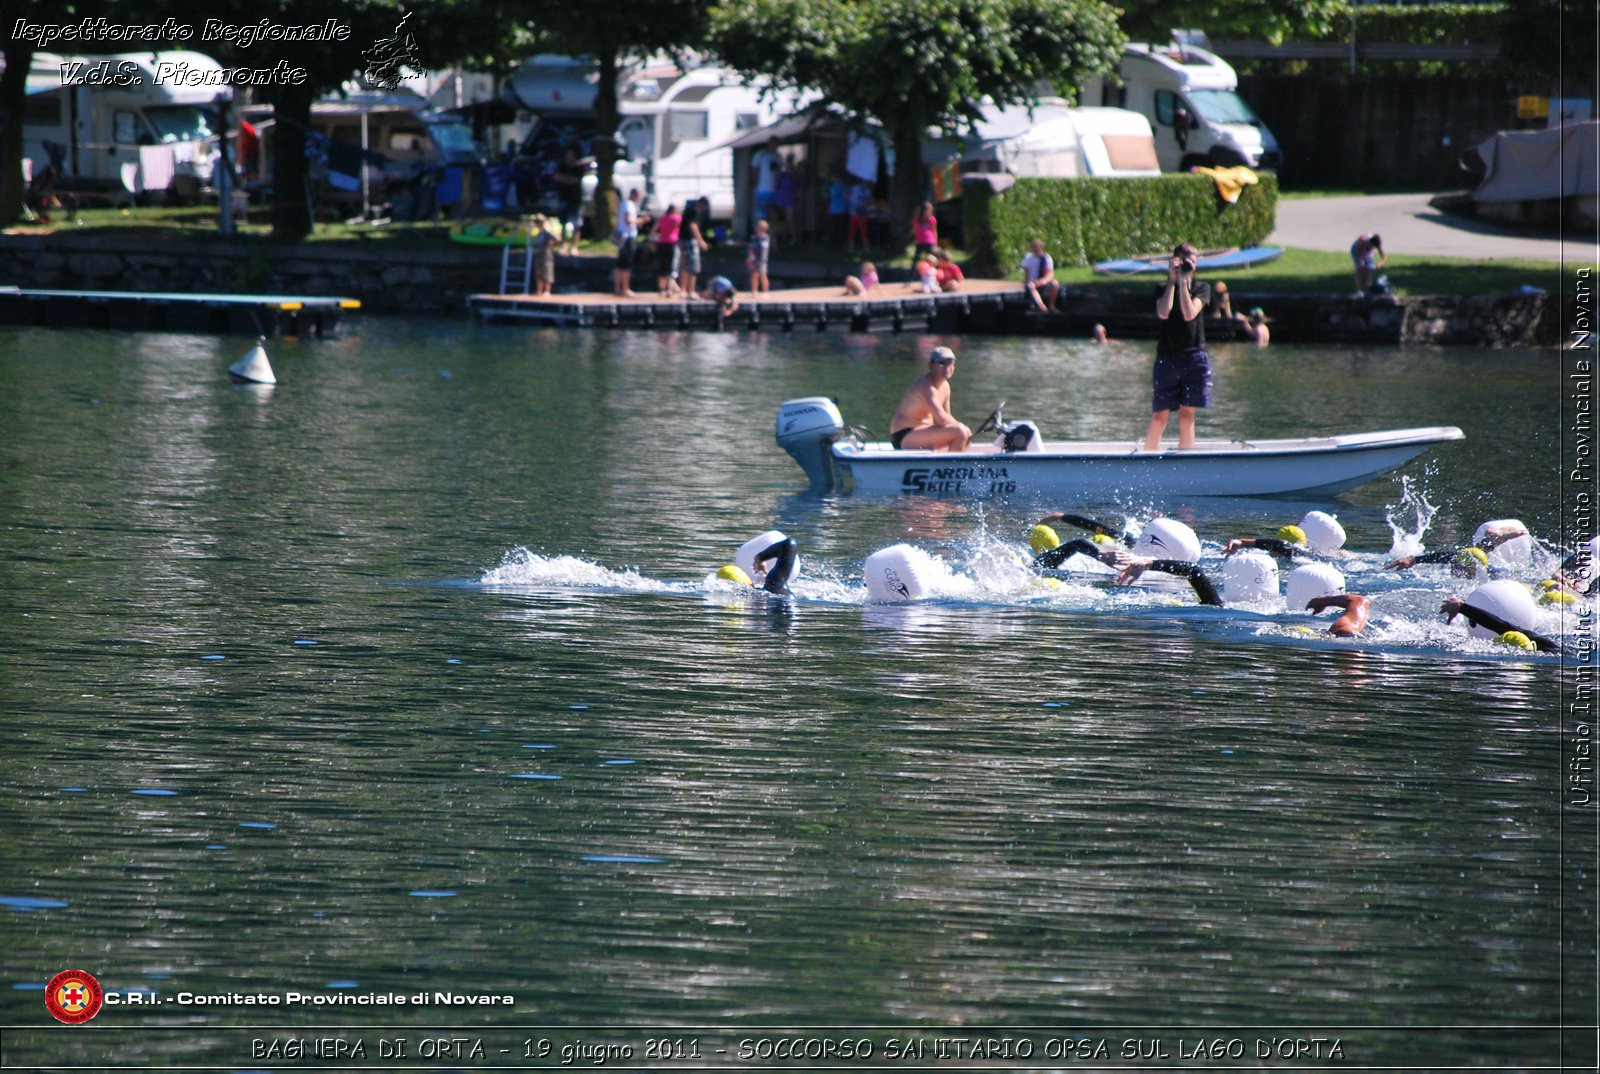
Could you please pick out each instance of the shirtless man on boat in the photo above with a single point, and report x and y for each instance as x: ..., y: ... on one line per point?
x: 923, y: 421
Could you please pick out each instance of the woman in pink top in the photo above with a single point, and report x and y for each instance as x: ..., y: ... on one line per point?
x: 666, y: 236
x: 924, y: 232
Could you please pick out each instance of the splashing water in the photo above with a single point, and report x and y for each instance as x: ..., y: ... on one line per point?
x: 1412, y: 510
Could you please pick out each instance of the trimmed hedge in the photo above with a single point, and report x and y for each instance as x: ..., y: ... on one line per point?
x: 1086, y: 220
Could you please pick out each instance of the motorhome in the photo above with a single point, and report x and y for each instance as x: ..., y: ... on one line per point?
x: 1190, y: 96
x: 1051, y: 140
x: 672, y: 128
x: 110, y: 122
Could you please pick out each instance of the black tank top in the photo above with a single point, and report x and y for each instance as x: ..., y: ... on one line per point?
x: 1178, y: 335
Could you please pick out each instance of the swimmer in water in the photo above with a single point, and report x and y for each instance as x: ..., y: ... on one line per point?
x: 1503, y: 628
x: 1317, y: 537
x: 750, y: 563
x: 1509, y: 536
x: 1356, y: 609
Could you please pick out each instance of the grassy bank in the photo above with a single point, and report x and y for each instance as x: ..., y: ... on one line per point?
x: 1316, y: 271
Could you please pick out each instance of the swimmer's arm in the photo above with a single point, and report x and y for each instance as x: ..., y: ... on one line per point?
x: 778, y: 576
x: 1204, y: 590
x: 1273, y: 546
x: 1489, y: 621
x: 1093, y: 525
x: 1051, y: 558
x: 1427, y: 557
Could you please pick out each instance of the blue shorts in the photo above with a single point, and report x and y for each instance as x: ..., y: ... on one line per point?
x: 1182, y: 379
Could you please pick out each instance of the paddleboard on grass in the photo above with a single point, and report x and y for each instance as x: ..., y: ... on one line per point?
x: 1226, y: 259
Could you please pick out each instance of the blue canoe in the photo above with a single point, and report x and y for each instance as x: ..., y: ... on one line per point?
x: 1228, y: 259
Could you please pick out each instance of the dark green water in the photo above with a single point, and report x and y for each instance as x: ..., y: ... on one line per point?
x: 627, y: 801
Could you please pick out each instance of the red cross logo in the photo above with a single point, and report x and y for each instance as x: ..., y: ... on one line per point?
x: 73, y: 997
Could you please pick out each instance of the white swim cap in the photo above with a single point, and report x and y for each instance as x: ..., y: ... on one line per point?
x: 1249, y: 576
x: 745, y: 558
x: 1311, y: 580
x: 1323, y: 532
x: 899, y: 572
x: 1513, y: 553
x: 1167, y: 538
x: 1509, y: 600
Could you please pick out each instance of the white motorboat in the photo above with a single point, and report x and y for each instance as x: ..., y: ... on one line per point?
x: 838, y: 458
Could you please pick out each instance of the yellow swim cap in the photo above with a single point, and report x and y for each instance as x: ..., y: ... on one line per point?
x: 730, y: 573
x: 1548, y: 583
x: 1292, y: 533
x: 1471, y: 559
x: 1555, y: 596
x: 1042, y: 538
x: 1103, y: 538
x: 1517, y: 639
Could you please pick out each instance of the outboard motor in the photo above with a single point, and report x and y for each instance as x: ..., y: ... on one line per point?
x: 807, y: 429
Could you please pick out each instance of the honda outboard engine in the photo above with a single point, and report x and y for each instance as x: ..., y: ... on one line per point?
x: 807, y: 429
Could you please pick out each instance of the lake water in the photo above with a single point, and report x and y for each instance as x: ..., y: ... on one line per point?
x: 404, y: 679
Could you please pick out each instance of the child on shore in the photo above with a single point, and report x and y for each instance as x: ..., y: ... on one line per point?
x: 867, y: 281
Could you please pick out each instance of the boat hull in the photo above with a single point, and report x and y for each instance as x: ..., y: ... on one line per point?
x: 1316, y: 466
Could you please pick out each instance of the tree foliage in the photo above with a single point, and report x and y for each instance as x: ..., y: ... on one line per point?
x: 627, y: 29
x: 916, y: 65
x: 1273, y: 21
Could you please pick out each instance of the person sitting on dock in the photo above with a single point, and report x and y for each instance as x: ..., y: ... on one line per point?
x: 1039, y: 277
x: 862, y: 284
x: 923, y: 421
x: 946, y: 271
x: 720, y: 289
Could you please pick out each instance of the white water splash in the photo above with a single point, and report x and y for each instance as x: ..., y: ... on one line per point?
x: 1409, y: 519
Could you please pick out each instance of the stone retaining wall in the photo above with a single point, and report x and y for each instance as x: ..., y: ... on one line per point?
x: 388, y: 278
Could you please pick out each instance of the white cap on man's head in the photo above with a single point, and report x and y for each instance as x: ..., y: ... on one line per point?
x: 941, y: 354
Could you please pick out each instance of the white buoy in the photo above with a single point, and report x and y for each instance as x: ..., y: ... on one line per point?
x: 898, y: 573
x: 1311, y: 580
x: 1509, y: 600
x: 1514, y: 553
x: 745, y: 557
x: 1323, y: 532
x: 1248, y: 577
x: 254, y: 368
x: 1167, y: 538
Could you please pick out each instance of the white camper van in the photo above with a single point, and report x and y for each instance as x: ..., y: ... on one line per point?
x: 92, y: 116
x: 1051, y: 140
x: 1190, y: 97
x: 672, y: 124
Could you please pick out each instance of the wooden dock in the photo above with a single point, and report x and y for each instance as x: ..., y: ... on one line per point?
x: 892, y: 307
x: 255, y: 315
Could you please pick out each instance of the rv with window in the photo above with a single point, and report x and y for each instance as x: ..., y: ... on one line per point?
x: 1051, y: 140
x: 91, y: 116
x: 672, y: 126
x: 1190, y: 96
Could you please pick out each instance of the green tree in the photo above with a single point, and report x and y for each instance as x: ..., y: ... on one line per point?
x: 1273, y: 21
x: 918, y: 65
x: 326, y: 64
x: 610, y: 36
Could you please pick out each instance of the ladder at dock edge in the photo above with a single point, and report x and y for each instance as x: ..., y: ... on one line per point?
x: 513, y: 275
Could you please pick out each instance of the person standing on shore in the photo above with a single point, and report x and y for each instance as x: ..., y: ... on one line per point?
x: 1181, y: 378
x: 690, y: 245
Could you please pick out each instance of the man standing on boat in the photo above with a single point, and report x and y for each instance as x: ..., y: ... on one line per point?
x: 1182, y: 376
x: 923, y: 421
